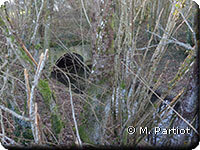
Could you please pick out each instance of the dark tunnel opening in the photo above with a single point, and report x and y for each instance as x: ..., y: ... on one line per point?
x: 71, y: 65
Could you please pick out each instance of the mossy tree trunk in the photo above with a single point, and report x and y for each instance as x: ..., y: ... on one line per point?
x: 94, y: 129
x: 191, y: 96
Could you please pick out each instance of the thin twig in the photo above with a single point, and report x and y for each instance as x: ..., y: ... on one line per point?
x: 85, y: 13
x: 175, y: 41
x: 5, y: 80
x: 37, y: 20
x: 14, y: 113
x: 4, y: 64
x: 18, y: 39
x: 11, y: 77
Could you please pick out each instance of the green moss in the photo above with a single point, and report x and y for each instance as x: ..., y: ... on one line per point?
x: 86, y: 129
x: 27, y: 134
x: 45, y: 90
x: 47, y: 95
x: 84, y: 135
x: 56, y: 123
x: 155, y: 105
x: 123, y: 85
x: 38, y: 46
x: 2, y: 23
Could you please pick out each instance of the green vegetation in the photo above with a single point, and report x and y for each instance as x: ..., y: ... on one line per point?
x: 45, y: 90
x: 47, y: 95
x: 83, y: 134
x: 56, y: 123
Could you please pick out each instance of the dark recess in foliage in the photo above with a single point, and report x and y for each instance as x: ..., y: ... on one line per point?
x: 72, y: 66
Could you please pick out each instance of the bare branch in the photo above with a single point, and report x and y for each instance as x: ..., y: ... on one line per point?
x: 18, y: 39
x: 84, y: 10
x: 41, y: 64
x: 12, y: 142
x: 4, y: 64
x: 175, y: 41
x: 37, y: 128
x: 14, y: 113
x: 37, y: 20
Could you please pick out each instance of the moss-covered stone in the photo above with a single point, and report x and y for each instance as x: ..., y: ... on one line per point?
x: 45, y: 90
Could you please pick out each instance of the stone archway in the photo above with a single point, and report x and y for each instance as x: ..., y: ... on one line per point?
x: 71, y: 65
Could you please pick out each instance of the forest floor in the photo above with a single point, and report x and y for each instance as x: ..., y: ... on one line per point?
x: 175, y: 58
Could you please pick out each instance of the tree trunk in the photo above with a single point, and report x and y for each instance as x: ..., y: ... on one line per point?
x: 189, y: 105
